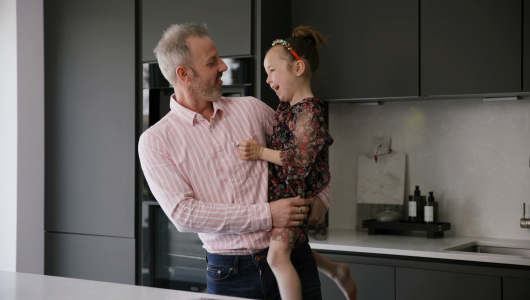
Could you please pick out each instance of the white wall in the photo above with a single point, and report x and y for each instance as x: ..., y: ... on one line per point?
x: 22, y: 136
x: 8, y: 134
x: 474, y: 155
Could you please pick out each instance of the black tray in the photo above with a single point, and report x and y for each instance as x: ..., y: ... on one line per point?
x: 433, y: 230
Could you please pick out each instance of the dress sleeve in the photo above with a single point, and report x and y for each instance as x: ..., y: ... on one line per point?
x: 308, y: 139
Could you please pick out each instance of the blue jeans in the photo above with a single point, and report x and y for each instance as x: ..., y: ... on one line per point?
x: 249, y: 276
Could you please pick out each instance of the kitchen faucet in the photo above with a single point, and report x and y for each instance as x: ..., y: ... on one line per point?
x: 525, y: 223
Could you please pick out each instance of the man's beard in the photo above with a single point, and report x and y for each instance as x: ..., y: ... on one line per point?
x: 203, y: 88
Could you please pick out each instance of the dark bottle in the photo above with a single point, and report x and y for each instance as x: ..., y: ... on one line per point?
x: 431, y: 210
x: 420, y: 204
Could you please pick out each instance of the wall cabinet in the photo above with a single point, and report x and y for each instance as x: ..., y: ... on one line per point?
x: 415, y: 284
x: 470, y: 47
x: 373, y: 283
x: 373, y: 49
x: 229, y: 23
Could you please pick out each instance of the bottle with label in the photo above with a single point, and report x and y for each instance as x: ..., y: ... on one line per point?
x: 420, y: 204
x: 412, y: 209
x: 431, y: 210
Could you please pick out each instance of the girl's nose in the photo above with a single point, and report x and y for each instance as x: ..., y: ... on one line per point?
x: 268, y: 81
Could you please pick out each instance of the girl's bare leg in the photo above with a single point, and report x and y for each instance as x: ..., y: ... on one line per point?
x: 340, y: 273
x: 279, y: 259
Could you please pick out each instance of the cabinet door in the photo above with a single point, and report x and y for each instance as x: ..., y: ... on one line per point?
x: 373, y: 47
x: 515, y: 288
x: 229, y: 23
x: 102, y: 258
x: 470, y: 47
x: 416, y: 284
x: 373, y: 282
x: 90, y: 67
x: 526, y: 46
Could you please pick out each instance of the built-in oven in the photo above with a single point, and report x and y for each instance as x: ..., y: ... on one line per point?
x: 173, y: 259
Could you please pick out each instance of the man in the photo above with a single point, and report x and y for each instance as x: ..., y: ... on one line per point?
x: 191, y: 164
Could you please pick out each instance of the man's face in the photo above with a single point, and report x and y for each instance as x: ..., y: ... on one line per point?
x: 207, y: 69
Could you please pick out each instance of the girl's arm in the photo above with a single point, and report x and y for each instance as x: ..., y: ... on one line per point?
x: 251, y: 149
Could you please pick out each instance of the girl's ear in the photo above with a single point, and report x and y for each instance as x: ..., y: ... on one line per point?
x: 299, y: 67
x: 183, y: 74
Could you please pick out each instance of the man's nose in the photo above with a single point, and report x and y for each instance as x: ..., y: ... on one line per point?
x: 222, y: 67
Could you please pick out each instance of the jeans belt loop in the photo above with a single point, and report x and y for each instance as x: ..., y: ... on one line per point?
x: 236, y: 264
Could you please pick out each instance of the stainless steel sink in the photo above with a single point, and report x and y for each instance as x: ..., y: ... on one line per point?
x: 492, y: 248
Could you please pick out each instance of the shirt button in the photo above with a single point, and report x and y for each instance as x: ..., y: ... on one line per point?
x: 211, y: 129
x: 222, y: 153
x: 232, y: 180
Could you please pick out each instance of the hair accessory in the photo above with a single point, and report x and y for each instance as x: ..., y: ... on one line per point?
x: 287, y: 45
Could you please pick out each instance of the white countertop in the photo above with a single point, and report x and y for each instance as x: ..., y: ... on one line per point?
x: 23, y: 286
x: 361, y: 242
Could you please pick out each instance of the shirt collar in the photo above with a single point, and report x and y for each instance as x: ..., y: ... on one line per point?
x: 189, y: 116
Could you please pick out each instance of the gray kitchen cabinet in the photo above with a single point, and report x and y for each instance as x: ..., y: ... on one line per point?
x: 229, y: 23
x: 526, y: 46
x: 515, y: 288
x: 373, y: 282
x: 373, y: 49
x: 413, y: 278
x: 470, y: 47
x: 416, y: 284
x: 90, y: 91
x: 100, y: 258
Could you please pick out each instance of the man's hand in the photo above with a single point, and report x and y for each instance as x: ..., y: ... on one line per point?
x: 317, y: 213
x: 289, y: 212
x: 250, y: 150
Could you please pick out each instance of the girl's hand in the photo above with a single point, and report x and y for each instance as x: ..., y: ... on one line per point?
x: 250, y: 150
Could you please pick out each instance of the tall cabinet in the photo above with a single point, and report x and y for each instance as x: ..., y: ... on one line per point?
x: 90, y: 90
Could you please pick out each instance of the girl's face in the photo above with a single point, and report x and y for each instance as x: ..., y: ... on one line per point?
x: 281, y: 76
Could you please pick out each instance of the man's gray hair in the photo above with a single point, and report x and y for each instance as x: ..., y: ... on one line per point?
x: 173, y: 50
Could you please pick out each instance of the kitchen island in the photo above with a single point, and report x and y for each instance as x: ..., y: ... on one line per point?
x: 23, y: 286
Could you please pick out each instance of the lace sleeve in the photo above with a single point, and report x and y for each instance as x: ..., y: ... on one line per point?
x: 309, y: 137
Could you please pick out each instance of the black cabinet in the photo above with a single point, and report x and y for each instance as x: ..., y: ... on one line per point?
x: 470, y: 47
x: 410, y: 278
x: 526, y: 46
x: 416, y: 284
x: 229, y: 23
x: 515, y: 288
x: 373, y: 282
x: 373, y: 47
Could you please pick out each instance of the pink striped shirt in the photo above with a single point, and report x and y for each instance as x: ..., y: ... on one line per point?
x: 193, y: 170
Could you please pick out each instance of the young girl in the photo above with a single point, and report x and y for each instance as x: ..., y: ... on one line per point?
x: 298, y: 155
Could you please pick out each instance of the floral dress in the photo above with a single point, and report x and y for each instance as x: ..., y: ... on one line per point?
x: 301, y: 135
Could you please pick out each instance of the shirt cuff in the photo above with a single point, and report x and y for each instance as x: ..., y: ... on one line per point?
x: 262, y: 219
x: 325, y: 196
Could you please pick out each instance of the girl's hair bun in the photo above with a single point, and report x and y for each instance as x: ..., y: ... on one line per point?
x: 311, y: 34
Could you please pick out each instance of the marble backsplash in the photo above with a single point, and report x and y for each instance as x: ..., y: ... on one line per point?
x: 474, y: 155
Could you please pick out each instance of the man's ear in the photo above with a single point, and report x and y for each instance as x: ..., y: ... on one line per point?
x: 183, y: 74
